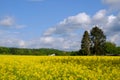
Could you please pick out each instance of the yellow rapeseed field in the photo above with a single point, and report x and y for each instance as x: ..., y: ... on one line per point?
x: 59, y: 68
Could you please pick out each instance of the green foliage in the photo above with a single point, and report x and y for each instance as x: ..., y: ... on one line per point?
x: 110, y: 47
x: 85, y: 44
x: 24, y: 51
x: 74, y: 53
x: 93, y: 44
x: 117, y: 51
x: 98, y: 40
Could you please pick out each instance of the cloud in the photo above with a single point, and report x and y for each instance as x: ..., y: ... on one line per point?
x: 21, y: 43
x: 113, y: 29
x: 99, y: 18
x: 10, y: 22
x: 7, y: 21
x: 11, y: 39
x: 81, y: 18
x: 115, y: 38
x: 71, y: 29
x: 65, y: 35
x: 99, y: 15
x: 70, y: 24
x: 113, y: 4
x: 53, y: 42
x: 66, y: 32
x: 12, y: 42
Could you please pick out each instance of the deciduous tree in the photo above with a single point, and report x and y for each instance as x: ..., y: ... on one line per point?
x: 98, y: 40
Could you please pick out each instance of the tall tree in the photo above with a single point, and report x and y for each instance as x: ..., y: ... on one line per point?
x: 98, y: 40
x: 85, y: 43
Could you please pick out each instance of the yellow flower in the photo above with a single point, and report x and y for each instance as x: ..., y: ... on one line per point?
x: 59, y: 67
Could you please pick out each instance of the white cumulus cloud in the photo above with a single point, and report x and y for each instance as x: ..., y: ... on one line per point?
x: 80, y: 22
x: 100, y: 15
x: 70, y: 24
x: 67, y: 34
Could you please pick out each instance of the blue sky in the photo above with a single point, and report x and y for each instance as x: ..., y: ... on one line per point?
x: 56, y: 24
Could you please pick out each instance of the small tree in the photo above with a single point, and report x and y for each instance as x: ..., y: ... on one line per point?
x: 110, y: 48
x: 85, y: 44
x: 98, y: 40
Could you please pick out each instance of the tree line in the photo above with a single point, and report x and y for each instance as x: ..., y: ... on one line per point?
x: 25, y: 51
x: 93, y: 43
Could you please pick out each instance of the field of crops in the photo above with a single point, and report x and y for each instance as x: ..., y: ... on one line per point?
x: 59, y: 68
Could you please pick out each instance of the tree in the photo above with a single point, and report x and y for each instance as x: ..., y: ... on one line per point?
x: 98, y: 40
x: 110, y: 48
x: 85, y: 44
x: 117, y: 50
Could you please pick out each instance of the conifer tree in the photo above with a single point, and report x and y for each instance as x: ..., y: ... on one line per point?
x: 85, y: 44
